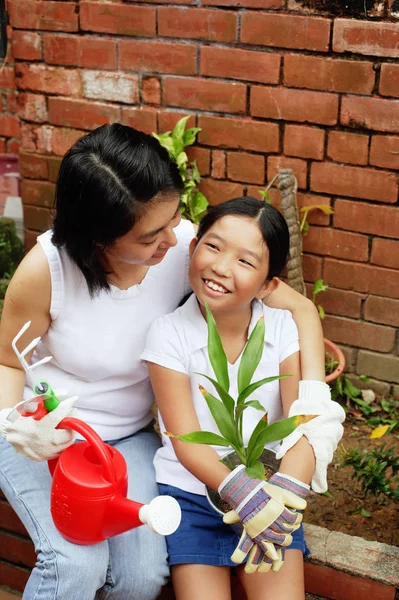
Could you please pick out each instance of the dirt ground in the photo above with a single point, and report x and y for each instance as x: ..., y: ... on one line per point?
x: 334, y: 513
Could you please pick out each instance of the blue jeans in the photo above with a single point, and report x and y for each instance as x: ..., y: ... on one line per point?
x: 130, y: 566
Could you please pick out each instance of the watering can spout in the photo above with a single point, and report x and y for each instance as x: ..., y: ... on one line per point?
x: 162, y: 515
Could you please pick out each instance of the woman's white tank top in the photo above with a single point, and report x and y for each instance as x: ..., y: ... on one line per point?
x: 96, y: 343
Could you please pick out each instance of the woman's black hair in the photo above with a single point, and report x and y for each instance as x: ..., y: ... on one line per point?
x: 105, y: 182
x: 271, y: 222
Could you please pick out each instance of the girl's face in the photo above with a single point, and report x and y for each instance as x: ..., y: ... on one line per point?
x: 229, y: 264
x: 151, y: 237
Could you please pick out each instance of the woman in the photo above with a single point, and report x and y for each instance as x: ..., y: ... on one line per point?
x: 115, y: 260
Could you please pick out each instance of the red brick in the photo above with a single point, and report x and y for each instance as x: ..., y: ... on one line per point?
x: 385, y: 253
x: 361, y: 277
x: 35, y: 218
x: 115, y: 87
x: 26, y: 45
x: 275, y: 163
x: 82, y: 51
x: 384, y: 151
x: 54, y: 163
x: 33, y: 166
x: 238, y: 133
x: 151, y: 91
x: 312, y: 267
x: 144, y: 119
x: 382, y: 310
x: 249, y: 168
x: 167, y: 120
x: 366, y: 37
x: 218, y: 164
x: 285, y: 31
x: 32, y: 107
x: 2, y: 145
x: 265, y: 4
x: 118, y: 19
x: 261, y: 67
x: 38, y: 193
x: 50, y: 80
x: 81, y: 114
x: 340, y: 302
x: 352, y: 148
x: 13, y: 146
x: 7, y: 79
x: 33, y: 138
x: 11, y: 102
x: 205, y: 94
x: 328, y: 74
x: 9, y: 126
x: 336, y: 243
x: 219, y: 191
x: 294, y: 105
x: 158, y: 57
x: 317, y: 216
x: 30, y: 241
x: 197, y: 23
x: 389, y: 80
x: 17, y: 549
x: 367, y: 218
x: 356, y: 182
x: 62, y: 139
x: 9, y: 519
x: 370, y: 113
x: 305, y: 142
x: 202, y: 156
x: 14, y: 577
x: 49, y: 16
x: 360, y: 334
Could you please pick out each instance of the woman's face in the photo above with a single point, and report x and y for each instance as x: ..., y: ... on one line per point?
x: 229, y: 264
x: 151, y: 237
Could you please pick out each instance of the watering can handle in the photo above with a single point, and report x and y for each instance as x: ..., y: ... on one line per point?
x: 95, y: 441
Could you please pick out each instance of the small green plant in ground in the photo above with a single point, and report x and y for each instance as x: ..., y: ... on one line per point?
x: 345, y: 389
x: 193, y: 202
x: 389, y: 415
x: 376, y: 471
x: 228, y: 413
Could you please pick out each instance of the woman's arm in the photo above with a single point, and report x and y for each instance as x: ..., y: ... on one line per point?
x: 307, y: 320
x: 299, y: 461
x: 27, y: 299
x: 173, y: 395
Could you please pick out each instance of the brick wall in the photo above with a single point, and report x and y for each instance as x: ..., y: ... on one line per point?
x: 272, y: 83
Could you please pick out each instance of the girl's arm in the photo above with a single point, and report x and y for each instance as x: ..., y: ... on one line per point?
x: 299, y: 461
x: 173, y: 395
x: 307, y: 320
x: 27, y: 299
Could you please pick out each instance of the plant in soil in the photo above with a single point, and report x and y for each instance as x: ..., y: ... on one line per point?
x: 228, y: 412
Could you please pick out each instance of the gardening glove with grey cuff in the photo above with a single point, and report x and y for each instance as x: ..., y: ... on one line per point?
x: 39, y: 440
x: 323, y: 432
x: 263, y: 509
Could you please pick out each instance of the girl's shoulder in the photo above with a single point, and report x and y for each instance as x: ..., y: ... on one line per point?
x: 278, y: 322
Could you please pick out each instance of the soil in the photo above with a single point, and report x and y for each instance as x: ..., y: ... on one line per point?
x: 334, y: 513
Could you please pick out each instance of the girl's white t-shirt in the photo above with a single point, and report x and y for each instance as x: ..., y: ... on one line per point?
x: 179, y: 342
x: 96, y: 343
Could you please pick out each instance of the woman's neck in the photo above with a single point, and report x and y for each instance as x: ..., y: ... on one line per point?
x: 124, y: 275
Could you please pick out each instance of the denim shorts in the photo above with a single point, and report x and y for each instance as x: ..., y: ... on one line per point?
x: 202, y: 537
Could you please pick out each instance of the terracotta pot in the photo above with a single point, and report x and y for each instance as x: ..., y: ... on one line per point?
x: 338, y: 355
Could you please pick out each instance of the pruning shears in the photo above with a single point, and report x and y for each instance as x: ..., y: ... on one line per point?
x: 45, y: 398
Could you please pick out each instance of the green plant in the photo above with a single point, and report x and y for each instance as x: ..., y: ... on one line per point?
x: 193, y: 202
x: 304, y: 226
x: 228, y: 413
x: 376, y: 471
x: 345, y: 389
x: 319, y: 286
x: 11, y: 247
x: 389, y: 409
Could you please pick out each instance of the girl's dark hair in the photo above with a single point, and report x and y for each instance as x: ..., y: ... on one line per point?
x: 272, y: 226
x: 105, y: 182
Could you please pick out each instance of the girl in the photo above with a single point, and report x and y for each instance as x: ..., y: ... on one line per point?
x: 115, y: 260
x: 240, y: 249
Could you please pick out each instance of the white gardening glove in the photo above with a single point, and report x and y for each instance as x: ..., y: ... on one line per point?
x: 39, y: 440
x: 323, y: 432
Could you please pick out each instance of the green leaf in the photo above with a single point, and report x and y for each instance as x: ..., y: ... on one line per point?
x: 304, y: 227
x: 320, y: 309
x: 364, y: 378
x: 178, y: 131
x: 199, y: 204
x: 195, y: 174
x: 254, y: 403
x: 201, y: 437
x: 227, y: 400
x: 265, y: 196
x: 181, y: 159
x: 261, y: 425
x: 166, y: 142
x: 221, y: 416
x: 350, y: 390
x: 256, y: 470
x: 190, y: 135
x: 251, y: 356
x: 319, y: 286
x: 257, y: 384
x: 217, y: 355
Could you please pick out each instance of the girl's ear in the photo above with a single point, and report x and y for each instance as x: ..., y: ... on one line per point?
x: 268, y: 287
x: 192, y: 246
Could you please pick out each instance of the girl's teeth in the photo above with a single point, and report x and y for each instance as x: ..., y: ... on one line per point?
x: 214, y: 286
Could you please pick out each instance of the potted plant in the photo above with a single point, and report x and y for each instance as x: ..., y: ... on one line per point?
x: 228, y: 412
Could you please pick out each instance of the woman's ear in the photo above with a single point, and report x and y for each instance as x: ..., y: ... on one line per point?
x: 268, y: 287
x: 192, y: 246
